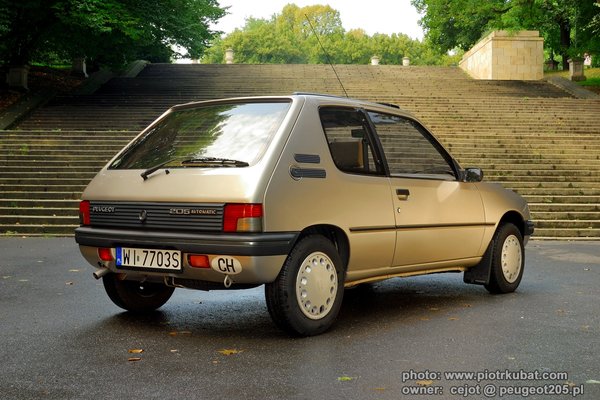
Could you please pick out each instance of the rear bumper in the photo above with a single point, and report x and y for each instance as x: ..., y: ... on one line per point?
x: 253, y: 244
x: 261, y: 255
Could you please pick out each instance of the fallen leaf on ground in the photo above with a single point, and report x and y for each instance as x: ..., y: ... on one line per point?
x: 229, y: 352
x: 136, y: 351
x: 175, y: 333
x: 69, y: 283
x: 453, y: 319
x: 346, y: 378
x: 593, y: 382
x: 134, y: 359
x: 74, y: 270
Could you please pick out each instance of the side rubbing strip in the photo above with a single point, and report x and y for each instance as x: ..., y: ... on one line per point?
x: 307, y: 158
x: 298, y: 173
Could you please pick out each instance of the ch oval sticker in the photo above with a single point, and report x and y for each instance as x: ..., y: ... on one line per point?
x: 226, y: 265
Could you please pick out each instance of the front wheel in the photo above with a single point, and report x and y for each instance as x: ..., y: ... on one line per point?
x: 306, y: 296
x: 508, y: 260
x: 136, y: 296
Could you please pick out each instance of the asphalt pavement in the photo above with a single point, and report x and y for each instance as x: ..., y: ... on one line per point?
x: 62, y: 338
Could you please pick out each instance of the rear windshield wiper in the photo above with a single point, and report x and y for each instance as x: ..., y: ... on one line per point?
x: 201, y: 160
x: 215, y: 160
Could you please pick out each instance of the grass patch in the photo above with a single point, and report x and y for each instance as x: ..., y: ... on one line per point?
x: 592, y: 75
x: 590, y: 82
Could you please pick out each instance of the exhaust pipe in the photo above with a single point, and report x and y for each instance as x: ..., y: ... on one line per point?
x: 99, y: 273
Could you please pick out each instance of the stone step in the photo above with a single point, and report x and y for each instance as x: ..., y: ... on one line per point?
x: 566, y: 224
x: 29, y: 203
x: 567, y: 234
x: 557, y: 199
x: 40, y: 176
x: 550, y: 185
x: 39, y: 219
x: 37, y: 230
x: 557, y: 207
x: 40, y: 210
x: 565, y: 215
x: 55, y: 195
x: 57, y: 168
x: 44, y: 183
x: 587, y: 192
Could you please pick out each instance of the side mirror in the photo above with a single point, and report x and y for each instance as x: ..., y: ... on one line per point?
x: 473, y: 175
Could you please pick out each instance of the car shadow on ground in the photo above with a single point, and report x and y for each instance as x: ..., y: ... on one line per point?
x: 243, y: 314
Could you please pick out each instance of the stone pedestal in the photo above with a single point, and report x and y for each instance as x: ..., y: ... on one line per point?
x: 576, y: 69
x: 17, y: 78
x: 229, y: 56
x: 405, y: 61
x: 78, y: 68
x: 506, y: 55
x: 552, y: 65
x: 374, y: 60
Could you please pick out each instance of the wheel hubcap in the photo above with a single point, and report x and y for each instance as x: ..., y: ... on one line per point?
x: 316, y: 285
x: 511, y: 258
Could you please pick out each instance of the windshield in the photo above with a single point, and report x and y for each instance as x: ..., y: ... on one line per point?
x: 239, y: 131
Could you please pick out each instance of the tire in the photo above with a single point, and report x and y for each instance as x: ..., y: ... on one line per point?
x: 134, y: 296
x: 508, y: 260
x: 306, y: 296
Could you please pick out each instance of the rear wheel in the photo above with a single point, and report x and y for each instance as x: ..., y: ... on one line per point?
x: 136, y: 296
x: 508, y: 260
x: 307, y: 294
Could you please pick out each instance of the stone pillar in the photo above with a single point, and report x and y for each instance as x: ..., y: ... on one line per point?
x: 405, y: 61
x: 229, y: 56
x: 374, y: 60
x: 576, y: 69
x: 17, y: 77
x: 79, y: 68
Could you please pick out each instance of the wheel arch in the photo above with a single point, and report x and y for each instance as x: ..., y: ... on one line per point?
x: 514, y: 218
x: 333, y: 233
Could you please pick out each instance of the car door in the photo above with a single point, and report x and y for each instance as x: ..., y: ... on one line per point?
x: 438, y: 218
x: 360, y: 189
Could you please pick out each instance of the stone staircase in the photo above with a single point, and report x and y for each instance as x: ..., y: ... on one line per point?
x: 531, y: 137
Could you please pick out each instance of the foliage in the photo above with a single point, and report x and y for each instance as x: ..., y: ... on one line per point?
x: 569, y: 27
x: 109, y: 31
x: 289, y: 38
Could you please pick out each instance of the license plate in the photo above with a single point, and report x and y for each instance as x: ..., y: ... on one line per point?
x: 164, y: 260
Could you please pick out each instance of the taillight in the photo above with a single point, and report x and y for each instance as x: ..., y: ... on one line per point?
x: 242, y: 218
x: 84, y: 212
x: 105, y: 254
x: 198, y: 261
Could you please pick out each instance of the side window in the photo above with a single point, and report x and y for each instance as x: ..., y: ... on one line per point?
x: 349, y: 144
x: 407, y: 149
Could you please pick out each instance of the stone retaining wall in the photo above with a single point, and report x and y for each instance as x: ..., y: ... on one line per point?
x: 506, y: 55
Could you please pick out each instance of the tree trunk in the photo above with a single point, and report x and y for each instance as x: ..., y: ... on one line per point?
x: 565, y: 42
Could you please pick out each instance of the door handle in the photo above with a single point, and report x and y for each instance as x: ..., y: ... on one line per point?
x: 402, y: 194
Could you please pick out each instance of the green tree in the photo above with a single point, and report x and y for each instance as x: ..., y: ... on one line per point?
x: 289, y: 38
x: 567, y: 25
x: 111, y: 31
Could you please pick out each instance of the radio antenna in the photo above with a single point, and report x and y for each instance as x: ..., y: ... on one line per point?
x: 326, y: 55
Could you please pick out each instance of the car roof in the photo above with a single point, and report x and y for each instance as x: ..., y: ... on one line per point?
x: 320, y: 98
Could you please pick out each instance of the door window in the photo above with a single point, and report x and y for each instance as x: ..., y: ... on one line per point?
x: 348, y: 139
x: 409, y: 149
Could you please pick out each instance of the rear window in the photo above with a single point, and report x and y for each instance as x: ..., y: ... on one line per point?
x: 238, y: 132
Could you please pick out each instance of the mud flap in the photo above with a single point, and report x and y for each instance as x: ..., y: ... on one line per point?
x: 480, y: 273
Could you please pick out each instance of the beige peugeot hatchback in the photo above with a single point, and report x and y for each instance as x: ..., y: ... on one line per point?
x: 307, y: 194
